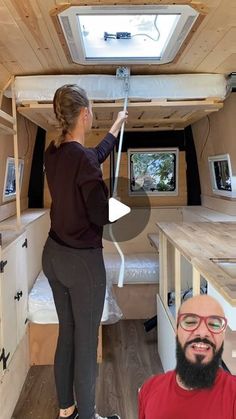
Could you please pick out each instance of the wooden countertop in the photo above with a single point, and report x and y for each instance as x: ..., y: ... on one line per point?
x: 200, y: 243
x: 9, y: 235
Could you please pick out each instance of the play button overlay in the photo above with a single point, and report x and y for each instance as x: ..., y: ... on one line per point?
x: 126, y: 219
x: 117, y: 209
x: 131, y: 216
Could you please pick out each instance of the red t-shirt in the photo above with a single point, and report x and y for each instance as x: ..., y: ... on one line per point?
x: 161, y: 398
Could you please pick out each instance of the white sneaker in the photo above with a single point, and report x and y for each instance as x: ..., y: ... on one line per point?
x: 107, y: 417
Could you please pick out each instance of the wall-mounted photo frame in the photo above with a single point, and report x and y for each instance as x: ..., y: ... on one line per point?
x: 153, y: 172
x: 222, y: 180
x: 9, y: 190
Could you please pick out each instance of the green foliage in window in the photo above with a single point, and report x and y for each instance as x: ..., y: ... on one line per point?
x: 153, y: 171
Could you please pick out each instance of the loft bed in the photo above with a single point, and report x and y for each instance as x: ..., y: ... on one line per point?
x: 160, y: 102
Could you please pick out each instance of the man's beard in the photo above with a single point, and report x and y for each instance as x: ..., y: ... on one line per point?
x: 196, y: 375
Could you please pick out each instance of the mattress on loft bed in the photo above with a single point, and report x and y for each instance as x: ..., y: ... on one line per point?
x: 106, y: 87
x: 140, y: 268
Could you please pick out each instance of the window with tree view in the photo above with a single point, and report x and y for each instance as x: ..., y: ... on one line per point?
x: 153, y: 172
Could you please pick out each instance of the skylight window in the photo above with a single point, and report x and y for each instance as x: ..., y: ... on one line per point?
x: 147, y: 34
x: 131, y: 36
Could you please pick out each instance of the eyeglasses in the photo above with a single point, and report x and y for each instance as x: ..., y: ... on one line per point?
x: 191, y: 321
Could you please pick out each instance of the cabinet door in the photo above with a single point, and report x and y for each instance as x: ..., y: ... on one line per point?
x: 1, y: 339
x: 14, y: 294
x: 37, y: 233
x: 21, y: 293
x: 8, y: 305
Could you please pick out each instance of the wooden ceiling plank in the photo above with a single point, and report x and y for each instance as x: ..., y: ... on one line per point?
x: 15, y: 42
x: 4, y: 76
x: 28, y: 26
x: 34, y: 47
x: 9, y: 61
x: 210, y: 32
x: 227, y: 64
x: 46, y: 7
x: 43, y: 32
x: 221, y: 52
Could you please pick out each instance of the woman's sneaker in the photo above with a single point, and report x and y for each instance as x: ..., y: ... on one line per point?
x: 74, y: 415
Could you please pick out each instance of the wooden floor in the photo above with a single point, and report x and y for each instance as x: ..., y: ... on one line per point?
x: 129, y: 357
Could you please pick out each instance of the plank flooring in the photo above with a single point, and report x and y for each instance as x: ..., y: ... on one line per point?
x: 129, y: 357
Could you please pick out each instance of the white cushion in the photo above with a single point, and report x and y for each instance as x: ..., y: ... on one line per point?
x: 140, y: 268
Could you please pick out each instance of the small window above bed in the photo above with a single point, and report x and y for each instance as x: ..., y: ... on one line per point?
x: 9, y: 191
x: 222, y: 180
x: 153, y: 172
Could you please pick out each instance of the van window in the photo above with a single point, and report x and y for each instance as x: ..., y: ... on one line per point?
x: 153, y: 172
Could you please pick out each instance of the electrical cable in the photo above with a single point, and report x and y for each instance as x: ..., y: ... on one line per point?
x: 28, y: 139
x: 127, y: 35
x: 148, y: 36
x: 207, y: 136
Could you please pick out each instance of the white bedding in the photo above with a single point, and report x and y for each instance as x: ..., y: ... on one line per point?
x: 139, y: 268
x: 107, y: 87
x: 41, y: 307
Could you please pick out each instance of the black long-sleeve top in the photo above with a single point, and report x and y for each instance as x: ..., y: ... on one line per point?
x: 79, y: 206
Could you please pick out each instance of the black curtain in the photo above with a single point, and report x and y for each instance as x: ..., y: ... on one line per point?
x: 36, y: 183
x: 193, y: 181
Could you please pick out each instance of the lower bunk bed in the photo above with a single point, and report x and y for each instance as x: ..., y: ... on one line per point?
x: 141, y: 282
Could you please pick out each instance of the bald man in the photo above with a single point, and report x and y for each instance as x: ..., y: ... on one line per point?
x: 198, y: 388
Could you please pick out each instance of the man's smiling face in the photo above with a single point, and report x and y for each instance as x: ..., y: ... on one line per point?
x: 200, y: 343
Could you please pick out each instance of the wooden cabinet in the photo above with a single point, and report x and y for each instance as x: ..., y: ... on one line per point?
x: 36, y: 236
x: 14, y: 295
x: 21, y: 255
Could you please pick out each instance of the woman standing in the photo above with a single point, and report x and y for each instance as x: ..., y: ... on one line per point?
x: 72, y: 257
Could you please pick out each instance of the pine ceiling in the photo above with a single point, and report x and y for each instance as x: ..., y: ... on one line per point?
x: 30, y: 44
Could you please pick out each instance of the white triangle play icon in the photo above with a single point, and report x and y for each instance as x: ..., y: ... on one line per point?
x: 117, y: 209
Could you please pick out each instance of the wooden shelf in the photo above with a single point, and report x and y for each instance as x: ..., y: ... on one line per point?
x: 6, y: 123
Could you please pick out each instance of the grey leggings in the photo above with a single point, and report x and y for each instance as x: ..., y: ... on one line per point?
x: 78, y: 281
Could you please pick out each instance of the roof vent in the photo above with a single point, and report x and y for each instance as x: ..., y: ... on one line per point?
x: 131, y: 34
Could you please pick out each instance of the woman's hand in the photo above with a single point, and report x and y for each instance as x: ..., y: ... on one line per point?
x: 121, y: 117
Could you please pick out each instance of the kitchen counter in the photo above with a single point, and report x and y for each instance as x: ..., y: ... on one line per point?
x: 211, y: 249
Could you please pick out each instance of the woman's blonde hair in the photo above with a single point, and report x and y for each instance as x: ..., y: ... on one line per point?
x: 67, y: 104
